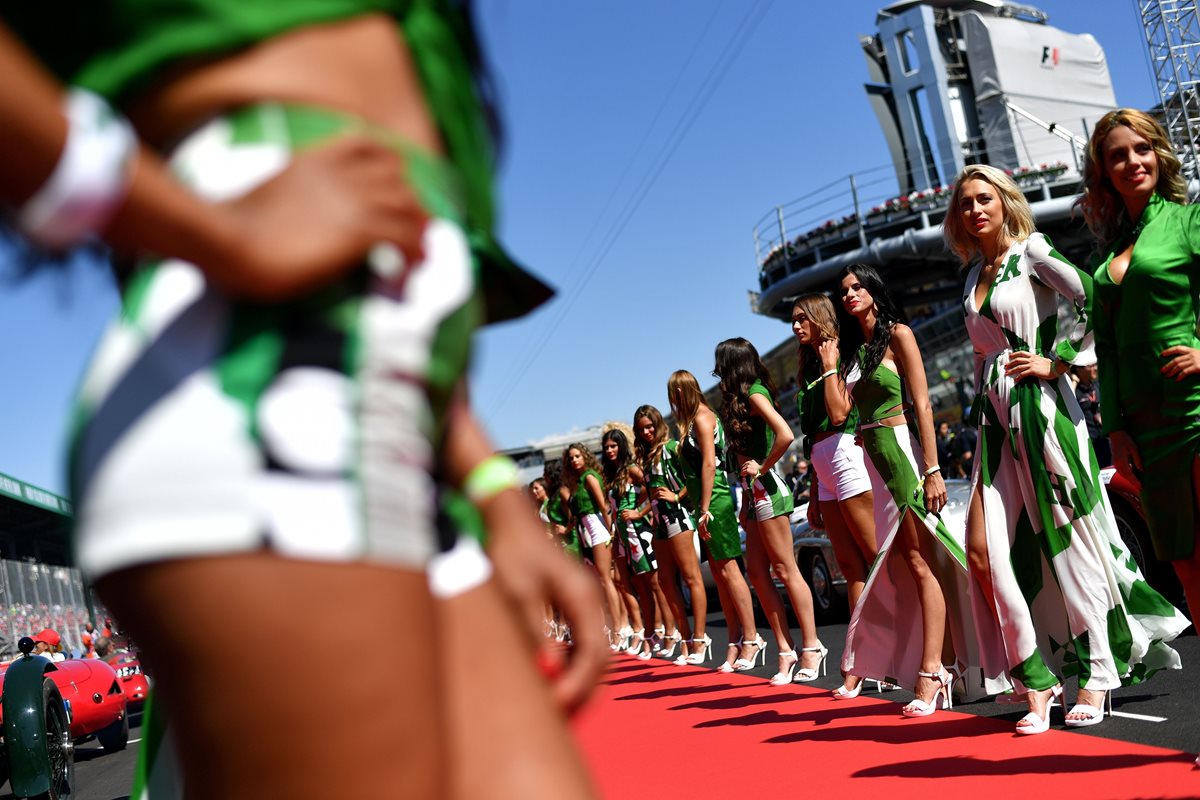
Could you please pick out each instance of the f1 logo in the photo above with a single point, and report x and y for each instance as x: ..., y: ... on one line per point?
x: 1049, y: 57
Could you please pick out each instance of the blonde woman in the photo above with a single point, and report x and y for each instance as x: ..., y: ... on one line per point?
x: 1054, y: 588
x: 701, y: 456
x: 840, y: 497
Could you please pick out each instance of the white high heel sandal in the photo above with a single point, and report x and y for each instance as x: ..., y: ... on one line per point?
x: 742, y: 664
x: 784, y: 676
x: 941, y: 698
x: 1039, y: 724
x: 812, y: 673
x: 1094, y: 715
x: 700, y: 658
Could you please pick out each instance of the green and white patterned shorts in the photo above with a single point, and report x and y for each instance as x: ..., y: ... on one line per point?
x: 209, y: 426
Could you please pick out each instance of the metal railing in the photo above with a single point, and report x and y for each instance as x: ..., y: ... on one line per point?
x: 36, y: 596
x: 863, y: 203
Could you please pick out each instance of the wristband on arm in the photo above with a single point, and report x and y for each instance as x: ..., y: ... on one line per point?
x: 489, y: 478
x: 89, y: 181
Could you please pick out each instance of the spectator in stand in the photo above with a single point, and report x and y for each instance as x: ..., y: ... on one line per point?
x: 1087, y: 392
x: 945, y: 449
x: 964, y: 453
x: 49, y: 644
x: 104, y: 648
x: 800, y: 479
x: 86, y: 638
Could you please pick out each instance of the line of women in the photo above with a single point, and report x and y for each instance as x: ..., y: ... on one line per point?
x: 1039, y: 587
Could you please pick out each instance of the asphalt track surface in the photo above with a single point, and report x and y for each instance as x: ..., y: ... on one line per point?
x: 1172, y: 697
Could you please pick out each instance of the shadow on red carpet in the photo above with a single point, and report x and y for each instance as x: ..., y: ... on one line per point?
x: 737, y: 736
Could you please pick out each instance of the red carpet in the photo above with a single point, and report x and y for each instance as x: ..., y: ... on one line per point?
x: 661, y: 731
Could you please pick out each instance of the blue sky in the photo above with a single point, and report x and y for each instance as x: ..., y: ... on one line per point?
x: 643, y: 142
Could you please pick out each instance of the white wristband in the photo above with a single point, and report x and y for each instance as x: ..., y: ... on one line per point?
x: 932, y: 470
x: 90, y: 179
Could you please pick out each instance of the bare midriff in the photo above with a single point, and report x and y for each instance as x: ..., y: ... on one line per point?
x: 359, y: 66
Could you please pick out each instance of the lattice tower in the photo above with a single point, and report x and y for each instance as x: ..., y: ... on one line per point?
x: 1172, y: 29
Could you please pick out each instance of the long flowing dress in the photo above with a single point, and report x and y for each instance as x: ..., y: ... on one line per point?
x: 1069, y: 598
x: 1155, y: 306
x: 885, y: 632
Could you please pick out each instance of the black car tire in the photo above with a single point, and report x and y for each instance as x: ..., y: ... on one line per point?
x: 816, y: 574
x: 1136, y: 536
x: 115, y: 736
x: 59, y: 747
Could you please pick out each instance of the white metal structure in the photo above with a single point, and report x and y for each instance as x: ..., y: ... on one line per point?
x: 1173, y: 36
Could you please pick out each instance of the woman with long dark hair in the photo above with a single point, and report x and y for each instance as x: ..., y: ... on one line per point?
x: 674, y: 529
x: 1037, y: 507
x: 701, y: 456
x: 562, y: 532
x: 919, y: 581
x: 625, y: 483
x: 558, y: 512
x: 759, y: 436
x: 840, y: 496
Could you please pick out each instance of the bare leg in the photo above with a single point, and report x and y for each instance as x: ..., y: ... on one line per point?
x: 625, y: 588
x: 759, y: 571
x: 246, y: 740
x: 776, y: 537
x: 665, y: 618
x: 683, y: 552
x: 646, y: 606
x: 739, y: 612
x: 602, y: 560
x: 978, y: 558
x: 850, y: 524
x: 913, y: 547
x: 496, y: 752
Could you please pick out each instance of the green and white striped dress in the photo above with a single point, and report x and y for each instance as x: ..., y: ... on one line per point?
x: 1069, y: 598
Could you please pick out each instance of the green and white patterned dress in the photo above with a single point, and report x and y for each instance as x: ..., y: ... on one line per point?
x: 670, y: 519
x: 635, y: 538
x: 1069, y: 598
x: 767, y: 496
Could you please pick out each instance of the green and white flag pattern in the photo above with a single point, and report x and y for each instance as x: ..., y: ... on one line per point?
x: 1069, y: 599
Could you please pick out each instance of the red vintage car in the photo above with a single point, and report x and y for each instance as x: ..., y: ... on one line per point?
x: 1125, y: 498
x: 135, y: 683
x: 96, y: 704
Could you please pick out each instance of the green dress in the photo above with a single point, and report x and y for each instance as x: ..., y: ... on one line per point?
x: 1154, y: 307
x: 883, y: 641
x: 1067, y: 598
x: 723, y: 527
x: 558, y: 516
